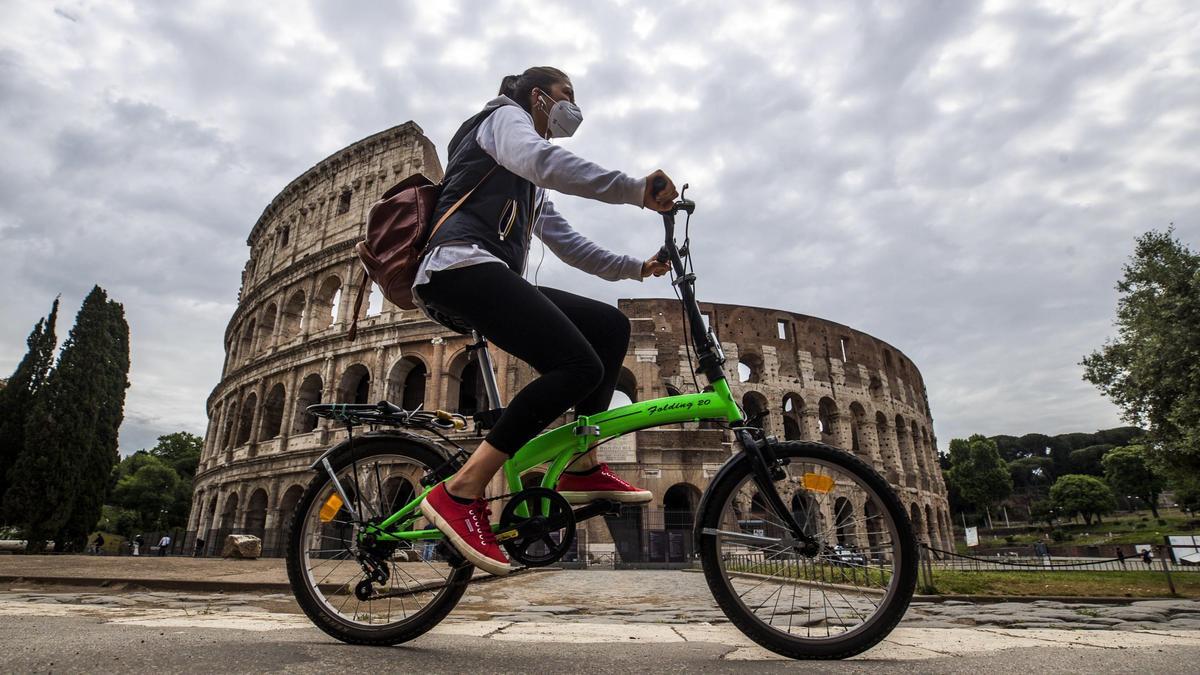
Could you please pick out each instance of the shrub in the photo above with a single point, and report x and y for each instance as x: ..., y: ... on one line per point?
x: 1162, y: 521
x: 1059, y: 535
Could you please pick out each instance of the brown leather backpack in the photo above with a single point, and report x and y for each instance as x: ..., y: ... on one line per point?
x: 398, y: 230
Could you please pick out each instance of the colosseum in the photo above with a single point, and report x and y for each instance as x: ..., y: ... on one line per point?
x: 285, y: 349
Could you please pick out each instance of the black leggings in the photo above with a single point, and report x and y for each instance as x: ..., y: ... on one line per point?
x: 577, y: 344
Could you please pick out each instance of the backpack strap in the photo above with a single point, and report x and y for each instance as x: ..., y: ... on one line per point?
x: 358, y: 300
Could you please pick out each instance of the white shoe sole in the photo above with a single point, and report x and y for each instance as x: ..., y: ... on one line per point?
x: 475, y: 557
x: 623, y: 497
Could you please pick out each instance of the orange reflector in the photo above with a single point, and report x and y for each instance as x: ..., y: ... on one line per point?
x: 818, y: 483
x: 330, y: 508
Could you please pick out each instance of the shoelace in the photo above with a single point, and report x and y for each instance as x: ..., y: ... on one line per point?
x: 485, y: 528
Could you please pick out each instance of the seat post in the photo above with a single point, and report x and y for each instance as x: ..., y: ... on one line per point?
x: 488, y: 372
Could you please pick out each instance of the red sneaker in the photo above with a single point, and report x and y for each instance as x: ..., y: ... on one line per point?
x: 468, y: 527
x: 600, y: 483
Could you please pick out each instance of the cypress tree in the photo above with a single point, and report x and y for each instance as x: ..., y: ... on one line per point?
x: 94, y: 463
x: 60, y: 479
x: 17, y: 396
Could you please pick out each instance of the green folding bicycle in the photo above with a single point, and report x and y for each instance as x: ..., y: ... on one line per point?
x: 805, y: 548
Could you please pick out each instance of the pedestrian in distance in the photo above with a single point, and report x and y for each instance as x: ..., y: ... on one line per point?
x: 1121, y: 556
x: 1147, y: 557
x: 163, y: 544
x: 138, y: 542
x: 98, y: 544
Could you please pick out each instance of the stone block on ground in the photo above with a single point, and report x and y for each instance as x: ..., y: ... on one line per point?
x: 245, y: 546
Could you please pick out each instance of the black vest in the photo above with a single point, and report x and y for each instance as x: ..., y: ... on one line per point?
x: 498, y: 215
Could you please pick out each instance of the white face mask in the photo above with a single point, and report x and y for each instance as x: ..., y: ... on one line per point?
x: 563, y: 119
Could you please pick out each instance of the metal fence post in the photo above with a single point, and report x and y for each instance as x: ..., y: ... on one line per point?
x: 1167, y: 553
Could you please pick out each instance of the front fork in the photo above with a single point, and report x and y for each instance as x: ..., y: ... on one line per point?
x: 768, y: 469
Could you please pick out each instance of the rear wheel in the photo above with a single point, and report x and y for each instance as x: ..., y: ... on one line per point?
x: 377, y: 594
x: 837, y: 603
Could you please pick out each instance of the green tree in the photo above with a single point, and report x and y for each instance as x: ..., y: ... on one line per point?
x: 181, y: 451
x: 1151, y: 369
x: 150, y: 491
x: 17, y: 395
x: 977, y: 471
x: 1088, y: 460
x: 1043, y: 511
x: 60, y: 478
x: 1128, y: 470
x: 1087, y: 496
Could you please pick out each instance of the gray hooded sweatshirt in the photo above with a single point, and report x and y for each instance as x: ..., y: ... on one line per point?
x: 508, y: 136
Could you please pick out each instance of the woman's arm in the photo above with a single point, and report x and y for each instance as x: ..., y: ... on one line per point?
x: 508, y: 136
x: 582, y: 253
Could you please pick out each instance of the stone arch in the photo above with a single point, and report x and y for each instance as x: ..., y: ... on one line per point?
x: 876, y: 388
x: 256, y: 514
x: 355, y: 385
x: 246, y: 346
x: 931, y: 526
x: 807, y: 512
x: 679, y: 506
x: 309, y: 394
x: 750, y: 367
x: 374, y: 301
x: 858, y: 424
x: 266, y: 328
x: 918, y: 450
x: 754, y: 403
x: 398, y: 491
x: 287, y: 509
x: 902, y: 449
x: 208, y: 529
x: 229, y: 513
x: 246, y: 419
x: 465, y: 384
x: 626, y: 384
x: 872, y: 524
x: 292, y: 319
x: 324, y: 306
x: 406, y: 382
x: 887, y: 449
x: 843, y: 519
x: 671, y: 389
x: 793, y: 417
x: 918, y: 526
x: 227, y: 439
x: 272, y: 413
x: 827, y: 416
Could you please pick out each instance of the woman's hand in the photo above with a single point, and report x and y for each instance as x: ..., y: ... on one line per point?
x: 653, y: 267
x: 665, y: 198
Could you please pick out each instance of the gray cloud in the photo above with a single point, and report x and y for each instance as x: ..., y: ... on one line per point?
x: 963, y: 180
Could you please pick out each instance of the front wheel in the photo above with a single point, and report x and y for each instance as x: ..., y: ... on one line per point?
x: 834, y: 603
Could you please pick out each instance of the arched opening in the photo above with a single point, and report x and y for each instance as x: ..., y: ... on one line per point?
x: 876, y: 388
x: 914, y: 515
x: 246, y: 420
x: 902, y: 445
x: 229, y: 513
x: 626, y: 385
x: 755, y: 406
x: 532, y: 478
x: 325, y: 304
x: 807, y: 513
x: 873, y: 526
x: 406, y: 383
x: 672, y: 390
x: 843, y: 515
x: 272, y: 414
x: 208, y: 530
x: 246, y: 348
x: 310, y: 394
x: 471, y: 395
x: 858, y: 421
x: 266, y: 327
x: 827, y: 414
x: 793, y: 417
x: 374, y: 300
x: 918, y: 447
x: 931, y: 524
x: 750, y: 368
x: 231, y: 416
x: 397, y: 491
x: 679, y: 506
x: 287, y: 509
x: 293, y: 316
x: 256, y: 514
x: 355, y: 385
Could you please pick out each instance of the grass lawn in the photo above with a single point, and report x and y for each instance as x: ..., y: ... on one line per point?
x: 1128, y: 528
x: 1108, y: 584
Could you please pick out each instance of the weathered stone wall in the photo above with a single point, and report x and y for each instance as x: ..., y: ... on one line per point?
x: 286, y: 349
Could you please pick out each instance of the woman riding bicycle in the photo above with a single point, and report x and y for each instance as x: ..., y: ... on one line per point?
x: 471, y: 277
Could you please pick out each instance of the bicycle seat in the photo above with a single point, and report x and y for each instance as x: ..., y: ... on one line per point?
x: 448, y: 320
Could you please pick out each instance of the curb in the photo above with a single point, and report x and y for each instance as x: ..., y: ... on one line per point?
x: 993, y: 599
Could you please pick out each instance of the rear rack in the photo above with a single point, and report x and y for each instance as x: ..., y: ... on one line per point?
x: 388, y: 415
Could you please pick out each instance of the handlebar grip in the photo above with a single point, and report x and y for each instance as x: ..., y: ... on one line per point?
x: 657, y: 185
x: 662, y: 256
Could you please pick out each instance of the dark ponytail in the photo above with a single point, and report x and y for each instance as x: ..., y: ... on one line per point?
x: 519, y: 87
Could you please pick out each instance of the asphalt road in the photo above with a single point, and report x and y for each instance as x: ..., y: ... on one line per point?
x: 74, y: 644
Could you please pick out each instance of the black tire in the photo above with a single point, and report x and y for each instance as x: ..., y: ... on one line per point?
x: 903, y: 575
x: 320, y: 614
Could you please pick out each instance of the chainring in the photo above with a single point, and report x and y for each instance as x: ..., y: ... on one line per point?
x: 543, y: 536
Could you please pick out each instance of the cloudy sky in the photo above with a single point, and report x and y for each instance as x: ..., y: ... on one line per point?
x: 962, y: 179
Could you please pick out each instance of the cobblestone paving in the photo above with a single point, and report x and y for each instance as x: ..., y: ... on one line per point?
x: 645, y: 597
